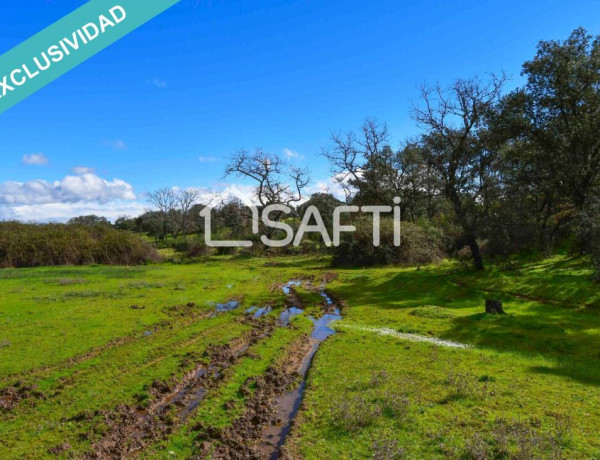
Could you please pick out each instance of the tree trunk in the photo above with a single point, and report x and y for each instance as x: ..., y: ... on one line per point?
x: 494, y: 307
x: 475, y: 252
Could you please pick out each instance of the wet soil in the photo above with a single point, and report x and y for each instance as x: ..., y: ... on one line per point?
x: 261, y: 431
x: 241, y: 440
x: 12, y: 395
x: 131, y: 428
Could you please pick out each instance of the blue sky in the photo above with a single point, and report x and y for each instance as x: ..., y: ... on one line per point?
x: 167, y: 104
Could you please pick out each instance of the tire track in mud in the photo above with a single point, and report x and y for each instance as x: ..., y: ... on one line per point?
x: 24, y: 385
x: 262, y: 429
x: 131, y: 429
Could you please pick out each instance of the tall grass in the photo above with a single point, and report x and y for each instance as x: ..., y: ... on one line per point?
x: 34, y: 245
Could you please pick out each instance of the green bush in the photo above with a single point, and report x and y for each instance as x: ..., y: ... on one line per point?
x: 418, y: 246
x: 197, y: 248
x: 34, y: 245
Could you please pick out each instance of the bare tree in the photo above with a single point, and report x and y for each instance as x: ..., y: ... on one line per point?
x: 186, y: 200
x: 349, y: 154
x: 454, y: 119
x: 164, y: 200
x: 277, y: 182
x: 370, y: 171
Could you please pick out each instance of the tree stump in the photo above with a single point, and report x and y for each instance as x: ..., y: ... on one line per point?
x: 494, y: 307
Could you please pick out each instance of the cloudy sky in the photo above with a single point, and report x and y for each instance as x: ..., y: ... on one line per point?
x: 166, y: 105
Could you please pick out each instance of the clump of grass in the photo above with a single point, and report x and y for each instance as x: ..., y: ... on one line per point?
x: 144, y: 285
x: 520, y: 440
x: 387, y: 449
x: 464, y: 385
x: 81, y: 294
x: 378, y: 377
x: 71, y: 281
x: 477, y: 448
x: 396, y: 405
x: 432, y: 312
x: 354, y: 413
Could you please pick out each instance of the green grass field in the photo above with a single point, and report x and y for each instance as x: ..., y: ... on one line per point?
x: 73, y: 353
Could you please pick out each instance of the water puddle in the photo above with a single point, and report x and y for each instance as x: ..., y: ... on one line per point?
x: 286, y: 315
x: 185, y: 399
x: 263, y: 311
x: 287, y: 287
x: 322, y: 330
x: 288, y: 404
x: 227, y: 306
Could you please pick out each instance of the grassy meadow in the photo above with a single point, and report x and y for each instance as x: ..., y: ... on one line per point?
x: 78, y: 343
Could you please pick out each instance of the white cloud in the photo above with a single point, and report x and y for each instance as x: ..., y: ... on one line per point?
x: 79, y: 170
x: 71, y: 189
x: 40, y: 200
x: 289, y: 153
x: 226, y: 194
x: 157, y: 82
x: 203, y: 159
x: 60, y: 212
x: 35, y: 159
x: 333, y: 186
x: 117, y: 144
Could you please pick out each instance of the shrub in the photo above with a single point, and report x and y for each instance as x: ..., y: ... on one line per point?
x: 34, y: 245
x: 418, y: 246
x: 197, y: 248
x: 588, y: 229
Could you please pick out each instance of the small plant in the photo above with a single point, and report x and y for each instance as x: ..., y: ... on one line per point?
x: 354, y: 413
x: 70, y: 281
x: 387, y: 449
x: 522, y: 440
x: 377, y: 378
x: 466, y: 385
x: 397, y: 404
x: 476, y: 448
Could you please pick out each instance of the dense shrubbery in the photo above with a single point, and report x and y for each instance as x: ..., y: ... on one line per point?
x: 588, y: 230
x: 418, y: 245
x: 32, y: 245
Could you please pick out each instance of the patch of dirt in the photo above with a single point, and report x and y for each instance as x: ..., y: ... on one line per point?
x: 130, y: 428
x: 328, y: 277
x: 12, y: 395
x: 57, y: 450
x: 242, y: 439
x: 188, y: 310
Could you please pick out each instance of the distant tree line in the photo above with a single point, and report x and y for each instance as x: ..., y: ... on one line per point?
x: 492, y: 174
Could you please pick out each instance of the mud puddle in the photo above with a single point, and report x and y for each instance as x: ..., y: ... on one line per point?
x: 261, y: 431
x: 259, y: 312
x: 227, y: 306
x: 267, y: 420
x: 288, y: 404
x: 286, y: 316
